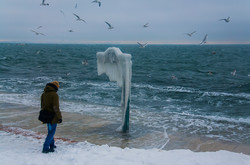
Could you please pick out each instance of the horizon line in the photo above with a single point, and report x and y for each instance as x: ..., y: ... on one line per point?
x: 128, y: 42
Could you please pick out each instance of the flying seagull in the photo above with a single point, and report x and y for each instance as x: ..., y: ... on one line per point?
x: 78, y: 18
x: 225, y: 19
x: 145, y: 25
x: 37, y: 33
x: 142, y: 45
x: 61, y: 12
x: 39, y: 27
x: 71, y: 30
x: 96, y: 1
x: 110, y: 27
x: 190, y: 34
x: 204, y: 40
x: 44, y: 4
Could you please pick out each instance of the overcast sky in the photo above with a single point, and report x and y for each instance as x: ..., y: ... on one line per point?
x: 168, y: 20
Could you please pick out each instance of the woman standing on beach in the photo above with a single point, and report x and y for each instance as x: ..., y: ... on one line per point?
x: 50, y: 102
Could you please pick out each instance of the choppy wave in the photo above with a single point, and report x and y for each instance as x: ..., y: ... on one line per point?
x: 189, y: 90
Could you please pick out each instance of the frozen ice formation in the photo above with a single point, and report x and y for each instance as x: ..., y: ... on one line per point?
x: 118, y: 67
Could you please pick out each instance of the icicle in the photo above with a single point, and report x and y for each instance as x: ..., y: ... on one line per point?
x: 118, y: 67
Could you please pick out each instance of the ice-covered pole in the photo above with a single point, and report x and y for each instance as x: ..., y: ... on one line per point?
x: 118, y: 67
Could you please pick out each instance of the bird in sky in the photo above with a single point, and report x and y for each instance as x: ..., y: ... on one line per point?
x: 145, y: 25
x: 110, y: 27
x: 61, y: 12
x: 96, y: 1
x: 39, y: 27
x: 190, y: 34
x: 204, y: 40
x: 78, y: 18
x: 225, y: 19
x: 44, y: 4
x: 37, y: 33
x: 142, y: 45
x: 70, y: 30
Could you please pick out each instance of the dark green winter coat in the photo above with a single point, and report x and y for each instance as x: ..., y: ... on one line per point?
x: 50, y: 102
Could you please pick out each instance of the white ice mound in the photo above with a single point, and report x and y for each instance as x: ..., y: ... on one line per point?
x: 118, y: 67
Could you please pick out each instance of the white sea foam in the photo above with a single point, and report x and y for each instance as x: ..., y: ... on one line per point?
x: 166, y: 88
x: 190, y: 90
x: 172, y: 116
x: 24, y: 99
x: 240, y: 95
x: 219, y: 118
x: 69, y: 106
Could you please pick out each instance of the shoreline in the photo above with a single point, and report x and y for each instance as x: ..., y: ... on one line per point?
x: 78, y: 128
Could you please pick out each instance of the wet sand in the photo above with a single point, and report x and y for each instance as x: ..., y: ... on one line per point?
x: 79, y: 127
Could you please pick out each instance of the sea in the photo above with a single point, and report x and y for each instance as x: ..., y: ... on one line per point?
x: 177, y: 90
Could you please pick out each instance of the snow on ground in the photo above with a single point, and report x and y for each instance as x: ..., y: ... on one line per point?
x: 26, y: 150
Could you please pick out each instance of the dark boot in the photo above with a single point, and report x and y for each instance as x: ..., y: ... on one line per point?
x: 45, y: 151
x: 51, y: 150
x: 53, y: 146
x: 48, y: 150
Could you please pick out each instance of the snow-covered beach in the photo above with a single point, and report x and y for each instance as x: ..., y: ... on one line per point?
x: 22, y: 137
x: 26, y: 150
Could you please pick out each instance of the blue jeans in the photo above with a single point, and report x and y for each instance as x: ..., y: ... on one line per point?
x: 49, y: 141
